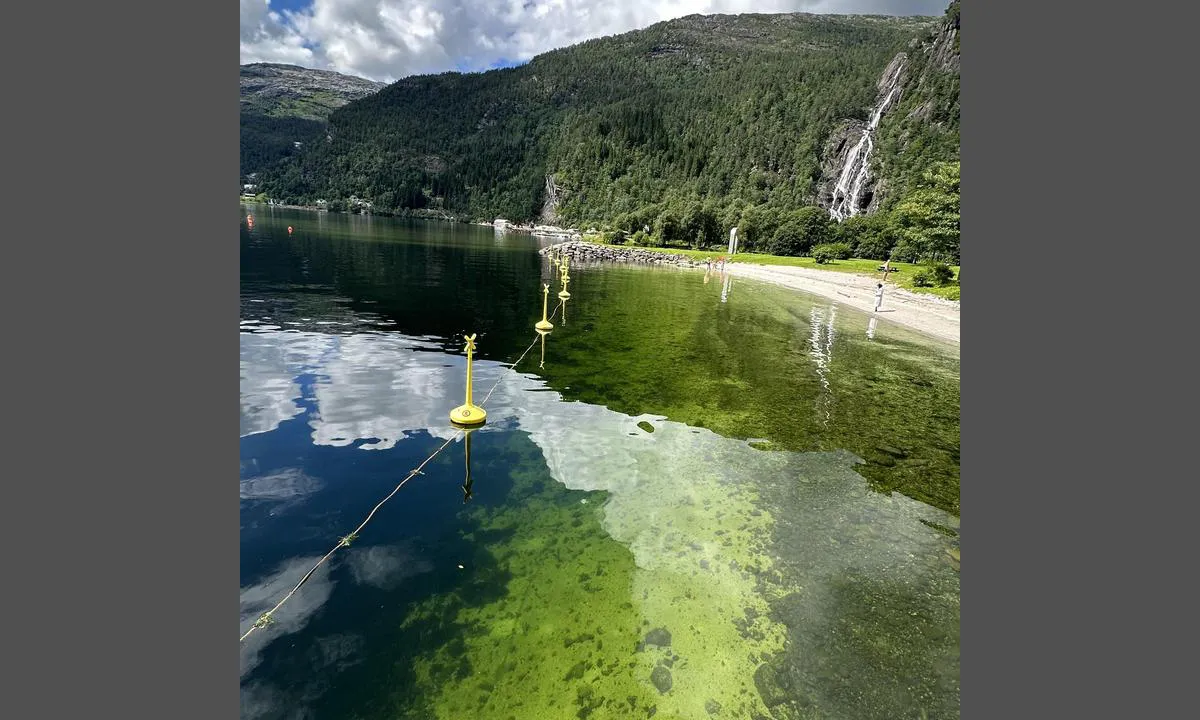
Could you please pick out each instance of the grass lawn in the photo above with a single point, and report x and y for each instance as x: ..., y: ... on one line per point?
x: 903, y: 278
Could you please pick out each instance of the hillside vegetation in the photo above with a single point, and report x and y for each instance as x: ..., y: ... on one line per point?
x: 670, y: 135
x: 285, y: 104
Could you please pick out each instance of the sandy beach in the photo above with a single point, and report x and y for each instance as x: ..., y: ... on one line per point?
x: 927, y: 314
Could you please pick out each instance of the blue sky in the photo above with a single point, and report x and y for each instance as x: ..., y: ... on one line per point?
x: 390, y: 39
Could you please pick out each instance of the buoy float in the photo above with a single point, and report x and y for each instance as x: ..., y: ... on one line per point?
x: 289, y: 229
x: 564, y: 294
x: 468, y: 413
x: 544, y: 325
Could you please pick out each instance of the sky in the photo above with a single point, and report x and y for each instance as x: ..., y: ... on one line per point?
x: 386, y: 40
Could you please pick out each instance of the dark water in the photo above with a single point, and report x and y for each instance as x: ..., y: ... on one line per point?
x: 563, y: 561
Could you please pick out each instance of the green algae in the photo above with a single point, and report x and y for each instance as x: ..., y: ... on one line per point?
x: 631, y: 558
x: 794, y: 371
x: 609, y: 592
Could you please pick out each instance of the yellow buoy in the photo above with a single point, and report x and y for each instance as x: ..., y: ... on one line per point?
x: 564, y: 294
x: 544, y: 323
x: 468, y: 413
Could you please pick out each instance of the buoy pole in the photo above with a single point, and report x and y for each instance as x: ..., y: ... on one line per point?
x: 469, y: 413
x: 544, y: 324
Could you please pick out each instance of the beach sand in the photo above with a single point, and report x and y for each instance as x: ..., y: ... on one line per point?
x: 927, y: 314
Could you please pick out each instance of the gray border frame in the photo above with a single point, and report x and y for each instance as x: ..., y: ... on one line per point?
x: 121, y: 134
x: 1066, y: 614
x: 125, y: 568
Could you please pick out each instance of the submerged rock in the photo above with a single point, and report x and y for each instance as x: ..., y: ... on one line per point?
x: 658, y: 636
x: 768, y: 686
x: 661, y: 677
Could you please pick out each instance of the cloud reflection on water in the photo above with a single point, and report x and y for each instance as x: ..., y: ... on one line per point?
x: 676, y: 496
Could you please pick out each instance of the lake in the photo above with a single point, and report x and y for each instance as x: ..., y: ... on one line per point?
x: 698, y: 496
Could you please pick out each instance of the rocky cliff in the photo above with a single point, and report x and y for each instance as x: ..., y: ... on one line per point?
x: 913, y: 123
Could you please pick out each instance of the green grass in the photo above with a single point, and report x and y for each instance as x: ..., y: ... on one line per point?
x: 857, y: 266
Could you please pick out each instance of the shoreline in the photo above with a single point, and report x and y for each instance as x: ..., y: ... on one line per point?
x: 927, y: 314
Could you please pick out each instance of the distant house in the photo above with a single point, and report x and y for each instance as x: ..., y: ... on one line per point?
x: 322, y: 204
x: 249, y: 188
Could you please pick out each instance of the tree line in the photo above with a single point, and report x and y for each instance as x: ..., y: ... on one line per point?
x: 668, y: 135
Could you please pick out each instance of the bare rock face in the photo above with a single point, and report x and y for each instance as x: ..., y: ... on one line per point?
x: 945, y: 48
x: 289, y: 90
x: 554, y: 196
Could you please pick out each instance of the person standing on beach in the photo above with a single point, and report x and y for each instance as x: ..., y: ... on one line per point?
x: 878, y: 296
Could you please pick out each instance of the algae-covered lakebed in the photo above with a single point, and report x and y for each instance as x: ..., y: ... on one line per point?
x: 697, y: 498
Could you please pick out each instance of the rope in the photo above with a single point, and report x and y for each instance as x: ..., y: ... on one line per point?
x: 522, y: 357
x: 266, y: 618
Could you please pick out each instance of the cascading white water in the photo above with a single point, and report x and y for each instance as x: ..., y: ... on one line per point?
x: 847, y: 193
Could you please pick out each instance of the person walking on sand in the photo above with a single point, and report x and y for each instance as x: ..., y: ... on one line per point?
x: 878, y: 296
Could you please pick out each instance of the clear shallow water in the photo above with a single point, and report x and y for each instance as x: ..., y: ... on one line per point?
x: 607, y: 571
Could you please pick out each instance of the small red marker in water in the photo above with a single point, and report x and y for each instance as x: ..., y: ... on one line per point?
x: 289, y: 229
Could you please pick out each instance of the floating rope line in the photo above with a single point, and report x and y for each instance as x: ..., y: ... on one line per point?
x: 267, y: 618
x: 522, y: 357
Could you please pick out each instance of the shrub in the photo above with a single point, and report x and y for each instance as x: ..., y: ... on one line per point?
x: 830, y: 251
x: 933, y: 273
x: 940, y: 274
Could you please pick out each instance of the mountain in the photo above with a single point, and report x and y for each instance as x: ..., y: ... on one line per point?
x: 285, y: 104
x: 685, y: 127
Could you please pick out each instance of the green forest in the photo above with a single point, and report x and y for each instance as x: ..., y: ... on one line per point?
x: 669, y: 136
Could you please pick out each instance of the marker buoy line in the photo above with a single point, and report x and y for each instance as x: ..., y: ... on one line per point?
x: 267, y: 618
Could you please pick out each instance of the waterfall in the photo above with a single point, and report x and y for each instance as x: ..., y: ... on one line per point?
x: 847, y: 193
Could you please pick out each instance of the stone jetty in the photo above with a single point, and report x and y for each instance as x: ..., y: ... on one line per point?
x: 583, y: 251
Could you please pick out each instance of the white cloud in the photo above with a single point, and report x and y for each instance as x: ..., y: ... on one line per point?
x: 390, y: 39
x: 268, y: 36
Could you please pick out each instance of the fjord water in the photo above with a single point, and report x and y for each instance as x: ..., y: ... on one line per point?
x: 699, y: 497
